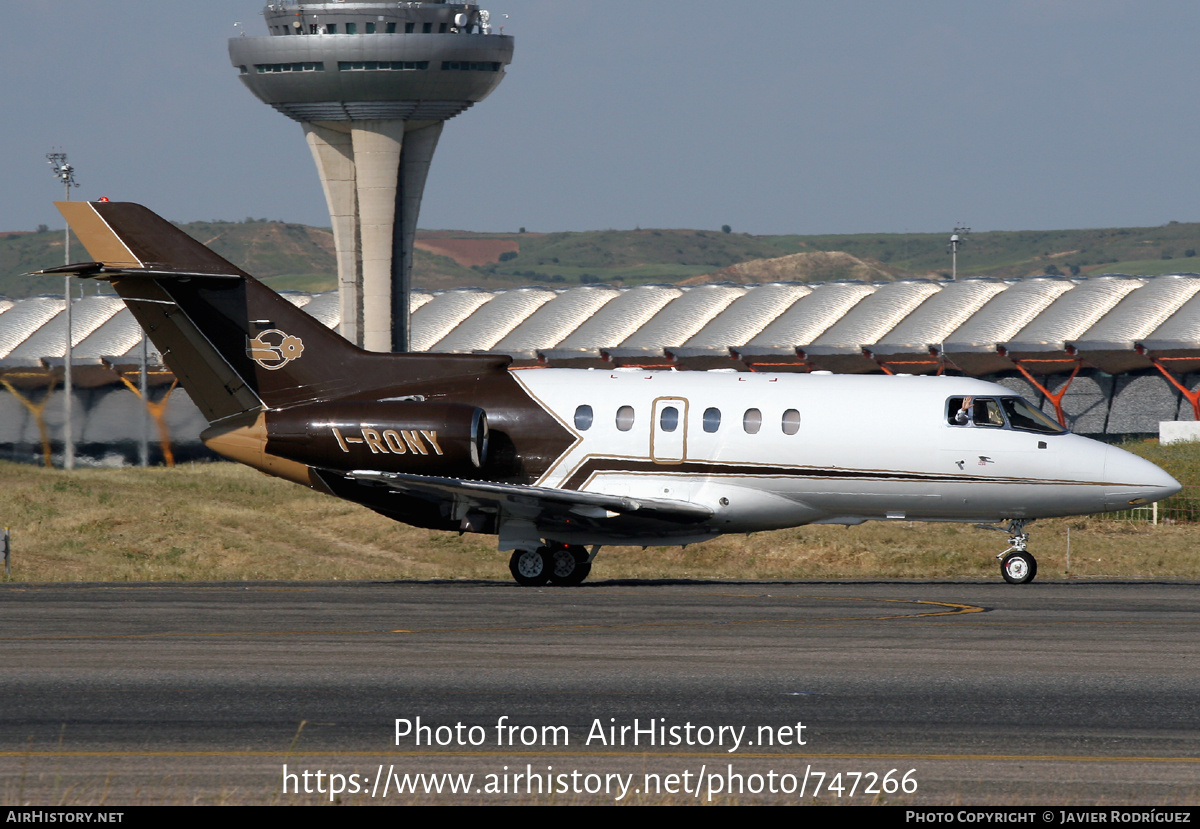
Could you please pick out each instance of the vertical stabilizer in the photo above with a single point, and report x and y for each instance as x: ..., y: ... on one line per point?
x: 237, y: 346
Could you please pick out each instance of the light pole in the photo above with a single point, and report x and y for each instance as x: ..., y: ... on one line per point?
x: 959, y: 236
x: 65, y: 173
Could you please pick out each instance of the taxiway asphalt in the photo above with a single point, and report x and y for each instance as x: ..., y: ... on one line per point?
x: 1050, y: 693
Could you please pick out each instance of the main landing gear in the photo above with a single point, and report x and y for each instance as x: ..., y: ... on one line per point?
x: 1017, y: 565
x: 565, y: 565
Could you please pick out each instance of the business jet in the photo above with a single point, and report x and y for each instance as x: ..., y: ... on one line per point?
x: 560, y: 462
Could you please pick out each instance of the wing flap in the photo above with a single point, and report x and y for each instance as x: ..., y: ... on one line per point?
x: 537, y: 499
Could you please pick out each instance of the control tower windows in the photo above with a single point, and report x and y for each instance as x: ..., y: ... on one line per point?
x: 370, y: 28
x: 409, y: 28
x: 265, y: 68
x: 476, y: 66
x: 381, y: 65
x: 351, y: 28
x: 442, y: 29
x: 427, y: 28
x: 391, y: 28
x: 331, y: 29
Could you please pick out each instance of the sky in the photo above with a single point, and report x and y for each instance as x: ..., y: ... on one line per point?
x: 777, y: 116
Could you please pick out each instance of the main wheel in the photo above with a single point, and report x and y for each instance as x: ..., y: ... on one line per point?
x: 529, y: 567
x: 1018, y: 568
x: 568, y: 565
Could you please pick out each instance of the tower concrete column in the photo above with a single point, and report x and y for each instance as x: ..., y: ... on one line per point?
x: 419, y: 146
x: 333, y: 151
x: 377, y: 146
x: 373, y: 174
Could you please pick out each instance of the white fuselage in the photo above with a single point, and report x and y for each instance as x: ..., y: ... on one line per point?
x: 827, y: 449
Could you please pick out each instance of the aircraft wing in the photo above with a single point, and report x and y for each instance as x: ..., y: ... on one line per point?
x: 536, y: 501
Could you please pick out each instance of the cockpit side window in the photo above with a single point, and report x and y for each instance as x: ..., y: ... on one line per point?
x: 958, y: 414
x: 974, y: 411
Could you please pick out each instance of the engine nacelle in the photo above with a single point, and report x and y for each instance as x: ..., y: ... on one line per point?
x: 447, y: 439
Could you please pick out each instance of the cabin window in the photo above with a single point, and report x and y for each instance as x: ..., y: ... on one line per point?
x: 712, y: 420
x: 669, y: 419
x: 791, y: 422
x: 625, y: 418
x: 752, y: 421
x: 583, y: 418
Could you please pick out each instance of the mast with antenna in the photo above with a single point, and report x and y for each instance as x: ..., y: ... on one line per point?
x: 65, y: 173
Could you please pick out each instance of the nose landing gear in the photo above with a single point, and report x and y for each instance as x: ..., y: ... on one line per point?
x: 1017, y: 564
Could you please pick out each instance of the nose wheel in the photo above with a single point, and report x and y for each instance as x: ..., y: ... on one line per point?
x: 1018, y: 568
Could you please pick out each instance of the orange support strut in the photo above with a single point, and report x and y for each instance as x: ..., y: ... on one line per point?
x: 1056, y: 399
x: 1193, y: 397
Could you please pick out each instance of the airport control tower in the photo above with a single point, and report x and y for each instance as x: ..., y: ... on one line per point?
x: 372, y: 82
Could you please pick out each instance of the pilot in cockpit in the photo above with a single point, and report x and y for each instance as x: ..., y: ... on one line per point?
x: 975, y: 411
x: 963, y: 416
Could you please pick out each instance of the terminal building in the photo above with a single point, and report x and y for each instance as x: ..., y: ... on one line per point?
x: 1109, y: 356
x: 372, y: 83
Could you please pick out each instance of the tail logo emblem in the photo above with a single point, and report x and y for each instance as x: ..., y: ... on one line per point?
x: 274, y: 349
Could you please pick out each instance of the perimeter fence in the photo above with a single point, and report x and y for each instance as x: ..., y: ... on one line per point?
x: 1181, y: 508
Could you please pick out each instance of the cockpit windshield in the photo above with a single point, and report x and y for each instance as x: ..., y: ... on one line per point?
x: 999, y: 413
x: 1026, y: 418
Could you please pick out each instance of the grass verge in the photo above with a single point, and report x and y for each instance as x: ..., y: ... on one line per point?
x: 218, y: 521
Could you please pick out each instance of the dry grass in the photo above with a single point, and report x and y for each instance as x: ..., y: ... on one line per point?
x: 226, y: 522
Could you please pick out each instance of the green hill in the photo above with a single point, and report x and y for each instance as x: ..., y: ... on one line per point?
x: 291, y: 256
x: 1146, y: 250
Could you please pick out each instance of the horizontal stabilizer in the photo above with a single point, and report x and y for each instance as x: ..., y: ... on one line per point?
x: 123, y: 235
x: 98, y: 270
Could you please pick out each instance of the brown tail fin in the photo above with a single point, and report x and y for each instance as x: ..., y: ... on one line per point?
x: 236, y: 345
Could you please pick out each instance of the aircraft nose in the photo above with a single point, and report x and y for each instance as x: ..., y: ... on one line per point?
x: 1134, y: 479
